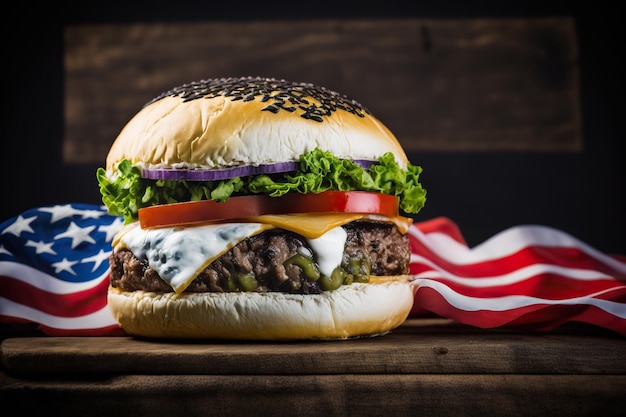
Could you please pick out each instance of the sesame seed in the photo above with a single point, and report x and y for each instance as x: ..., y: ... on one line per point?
x: 277, y: 92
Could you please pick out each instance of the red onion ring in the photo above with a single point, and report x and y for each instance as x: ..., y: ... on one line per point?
x: 227, y: 173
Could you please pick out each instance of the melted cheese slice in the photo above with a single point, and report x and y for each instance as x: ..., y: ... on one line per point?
x: 309, y: 226
x: 179, y: 254
x: 313, y: 226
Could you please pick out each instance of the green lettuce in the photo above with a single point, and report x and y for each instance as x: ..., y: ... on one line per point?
x: 319, y: 171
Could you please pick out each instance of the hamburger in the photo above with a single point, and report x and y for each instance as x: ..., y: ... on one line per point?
x: 258, y: 208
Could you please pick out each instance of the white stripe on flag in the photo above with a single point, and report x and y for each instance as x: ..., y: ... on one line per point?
x: 510, y: 302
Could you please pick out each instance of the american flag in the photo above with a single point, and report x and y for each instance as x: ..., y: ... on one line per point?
x: 531, y: 277
x: 54, y: 269
x: 54, y: 274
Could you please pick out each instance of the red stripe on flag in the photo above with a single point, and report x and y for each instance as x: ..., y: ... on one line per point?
x: 441, y: 225
x: 75, y: 304
x: 111, y: 330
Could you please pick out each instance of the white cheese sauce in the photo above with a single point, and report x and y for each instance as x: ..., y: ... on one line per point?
x: 328, y: 249
x: 178, y: 255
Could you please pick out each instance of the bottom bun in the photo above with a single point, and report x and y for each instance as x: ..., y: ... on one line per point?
x: 354, y: 310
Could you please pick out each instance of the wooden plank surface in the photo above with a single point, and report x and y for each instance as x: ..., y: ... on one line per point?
x: 317, y: 395
x: 417, y: 347
x: 423, y: 368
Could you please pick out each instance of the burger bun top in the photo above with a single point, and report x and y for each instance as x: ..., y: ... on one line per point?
x: 229, y: 122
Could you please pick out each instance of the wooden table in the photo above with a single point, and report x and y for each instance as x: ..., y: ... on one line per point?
x: 426, y: 367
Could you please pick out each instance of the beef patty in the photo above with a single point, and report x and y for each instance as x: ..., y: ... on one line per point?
x: 278, y: 260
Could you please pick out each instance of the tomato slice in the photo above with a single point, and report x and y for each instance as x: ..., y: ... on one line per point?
x: 206, y: 211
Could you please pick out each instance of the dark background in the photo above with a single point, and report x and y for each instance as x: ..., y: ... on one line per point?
x: 581, y: 193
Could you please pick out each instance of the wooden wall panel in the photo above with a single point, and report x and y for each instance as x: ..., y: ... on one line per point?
x: 480, y: 84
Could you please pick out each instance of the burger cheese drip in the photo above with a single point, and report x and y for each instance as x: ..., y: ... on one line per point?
x: 178, y: 255
x: 295, y: 254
